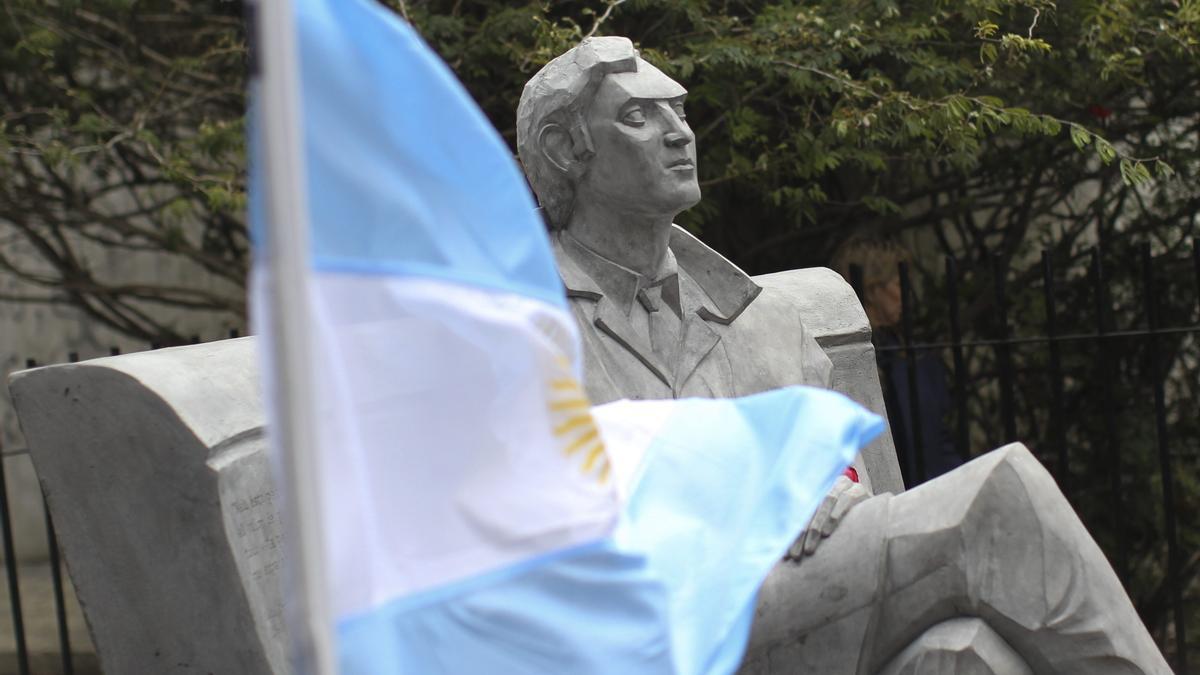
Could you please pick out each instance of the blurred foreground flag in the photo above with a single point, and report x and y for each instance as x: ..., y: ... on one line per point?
x: 455, y: 504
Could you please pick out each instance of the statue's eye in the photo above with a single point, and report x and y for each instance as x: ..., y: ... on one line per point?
x: 634, y: 117
x: 679, y: 111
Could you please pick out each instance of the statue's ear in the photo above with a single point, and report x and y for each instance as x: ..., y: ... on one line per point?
x: 556, y: 144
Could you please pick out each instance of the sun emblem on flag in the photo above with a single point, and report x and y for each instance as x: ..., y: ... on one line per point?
x: 573, y: 425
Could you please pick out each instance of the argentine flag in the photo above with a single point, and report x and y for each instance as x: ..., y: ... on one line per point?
x: 456, y: 505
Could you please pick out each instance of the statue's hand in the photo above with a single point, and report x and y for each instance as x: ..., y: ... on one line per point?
x: 844, y: 495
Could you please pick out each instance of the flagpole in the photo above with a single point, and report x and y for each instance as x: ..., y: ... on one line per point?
x: 287, y: 262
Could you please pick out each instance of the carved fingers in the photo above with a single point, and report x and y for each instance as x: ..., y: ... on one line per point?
x: 844, y: 495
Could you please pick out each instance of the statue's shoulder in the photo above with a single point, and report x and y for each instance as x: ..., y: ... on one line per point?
x: 576, y: 282
x: 729, y: 289
x: 766, y: 332
x: 817, y: 297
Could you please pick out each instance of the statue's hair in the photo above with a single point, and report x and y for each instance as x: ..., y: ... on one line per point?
x: 560, y: 94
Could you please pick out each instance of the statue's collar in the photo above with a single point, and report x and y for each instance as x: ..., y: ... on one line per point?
x: 602, y: 276
x: 586, y: 273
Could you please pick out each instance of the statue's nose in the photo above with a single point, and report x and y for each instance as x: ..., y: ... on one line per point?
x: 677, y: 139
x: 678, y: 134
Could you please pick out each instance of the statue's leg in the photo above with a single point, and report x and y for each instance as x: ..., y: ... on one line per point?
x: 997, y: 540
x: 812, y: 617
x: 958, y: 647
x: 993, y: 539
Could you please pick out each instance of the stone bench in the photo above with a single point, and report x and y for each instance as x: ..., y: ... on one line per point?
x: 154, y: 467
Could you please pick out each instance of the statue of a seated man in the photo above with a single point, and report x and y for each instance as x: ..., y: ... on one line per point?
x: 990, y: 554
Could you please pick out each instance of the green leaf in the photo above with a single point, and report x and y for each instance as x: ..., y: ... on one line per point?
x: 988, y: 53
x: 881, y: 205
x: 90, y: 123
x: 1127, y: 172
x: 1143, y: 174
x: 985, y: 29
x: 1134, y: 173
x: 1080, y: 136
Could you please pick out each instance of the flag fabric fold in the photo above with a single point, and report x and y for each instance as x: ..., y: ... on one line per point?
x: 479, y: 515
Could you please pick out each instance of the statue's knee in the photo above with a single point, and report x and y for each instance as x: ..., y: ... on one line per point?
x: 1001, y: 480
x: 1020, y: 458
x: 1025, y: 478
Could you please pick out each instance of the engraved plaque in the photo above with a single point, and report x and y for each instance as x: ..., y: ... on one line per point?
x: 250, y: 509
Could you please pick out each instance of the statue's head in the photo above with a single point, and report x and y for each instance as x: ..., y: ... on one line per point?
x: 599, y: 123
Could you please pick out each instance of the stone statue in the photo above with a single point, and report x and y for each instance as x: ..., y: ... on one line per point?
x: 604, y: 140
x: 986, y: 569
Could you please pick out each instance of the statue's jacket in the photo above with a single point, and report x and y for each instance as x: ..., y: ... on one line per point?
x: 735, y: 337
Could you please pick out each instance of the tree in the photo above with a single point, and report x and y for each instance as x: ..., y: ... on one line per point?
x: 121, y: 131
x: 122, y: 123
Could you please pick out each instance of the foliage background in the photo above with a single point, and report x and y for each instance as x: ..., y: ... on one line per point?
x: 981, y: 129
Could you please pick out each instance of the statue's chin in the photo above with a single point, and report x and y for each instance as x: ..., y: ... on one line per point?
x: 689, y: 198
x: 676, y: 198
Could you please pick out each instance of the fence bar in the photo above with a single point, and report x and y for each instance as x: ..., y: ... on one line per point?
x: 1196, y: 269
x: 1038, y: 339
x: 1057, y: 424
x: 1157, y: 377
x: 10, y: 568
x: 910, y: 357
x: 1107, y: 375
x: 1004, y: 353
x: 60, y: 605
x: 961, y: 441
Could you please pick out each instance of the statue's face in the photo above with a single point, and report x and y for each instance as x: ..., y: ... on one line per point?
x: 645, y: 159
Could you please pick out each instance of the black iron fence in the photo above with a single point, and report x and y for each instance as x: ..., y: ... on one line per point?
x: 1099, y: 376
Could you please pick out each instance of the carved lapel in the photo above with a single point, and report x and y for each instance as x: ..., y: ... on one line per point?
x: 698, y: 341
x: 719, y: 292
x: 610, y: 320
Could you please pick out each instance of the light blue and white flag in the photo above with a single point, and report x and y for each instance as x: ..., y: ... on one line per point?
x: 474, y: 513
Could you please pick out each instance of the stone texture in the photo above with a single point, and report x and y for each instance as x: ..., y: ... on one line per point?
x: 155, y: 471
